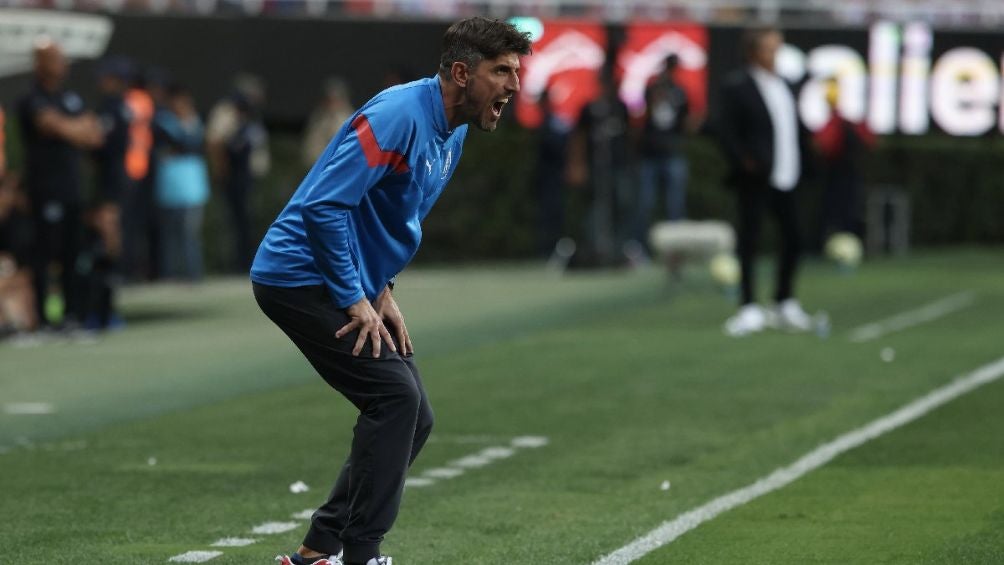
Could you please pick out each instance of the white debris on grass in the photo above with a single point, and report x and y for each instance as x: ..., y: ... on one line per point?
x: 888, y: 354
x: 298, y: 487
x: 151, y: 461
x: 664, y: 486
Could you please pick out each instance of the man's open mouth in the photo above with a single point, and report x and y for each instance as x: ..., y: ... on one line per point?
x: 497, y: 107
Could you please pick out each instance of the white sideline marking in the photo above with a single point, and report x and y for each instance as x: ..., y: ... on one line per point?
x: 28, y: 408
x: 672, y: 529
x: 477, y: 460
x: 462, y: 439
x: 443, y: 473
x: 233, y: 542
x: 472, y: 461
x: 529, y: 441
x: 195, y: 556
x: 910, y: 318
x: 497, y: 452
x: 274, y: 527
x: 428, y: 478
x: 303, y: 514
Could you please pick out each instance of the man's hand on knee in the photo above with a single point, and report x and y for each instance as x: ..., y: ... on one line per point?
x: 370, y: 326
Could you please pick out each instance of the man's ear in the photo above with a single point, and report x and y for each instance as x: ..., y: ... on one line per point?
x: 460, y: 73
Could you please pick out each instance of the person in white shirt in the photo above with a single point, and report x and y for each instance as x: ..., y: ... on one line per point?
x: 765, y: 144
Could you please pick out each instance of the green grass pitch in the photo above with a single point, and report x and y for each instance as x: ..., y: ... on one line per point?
x: 191, y: 425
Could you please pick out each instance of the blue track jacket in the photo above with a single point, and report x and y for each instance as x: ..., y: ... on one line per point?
x: 355, y: 220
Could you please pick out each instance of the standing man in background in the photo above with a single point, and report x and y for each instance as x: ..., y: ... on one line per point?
x: 548, y: 177
x: 325, y: 271
x: 842, y: 145
x: 55, y: 129
x: 765, y: 144
x: 663, y: 163
x: 600, y: 160
x: 115, y: 118
x: 103, y: 248
x: 3, y: 145
x: 327, y: 118
x: 238, y: 115
x: 137, y: 201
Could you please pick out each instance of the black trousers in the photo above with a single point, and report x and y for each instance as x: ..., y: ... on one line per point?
x: 393, y: 424
x: 752, y: 201
x: 58, y: 230
x: 238, y: 192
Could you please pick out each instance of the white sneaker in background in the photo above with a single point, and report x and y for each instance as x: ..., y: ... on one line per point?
x: 792, y: 317
x: 751, y: 318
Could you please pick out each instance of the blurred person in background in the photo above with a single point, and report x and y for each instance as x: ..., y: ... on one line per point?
x: 765, y: 144
x: 56, y: 129
x: 239, y: 114
x: 99, y: 262
x: 17, y: 298
x: 182, y: 185
x: 549, y: 176
x: 115, y: 118
x: 326, y: 119
x: 325, y: 270
x: 3, y: 144
x: 842, y: 145
x: 137, y: 198
x: 157, y: 82
x: 600, y: 159
x: 663, y: 162
x: 398, y: 74
x: 239, y: 181
x: 101, y: 256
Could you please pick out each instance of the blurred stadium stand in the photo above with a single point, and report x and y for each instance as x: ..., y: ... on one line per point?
x: 957, y: 13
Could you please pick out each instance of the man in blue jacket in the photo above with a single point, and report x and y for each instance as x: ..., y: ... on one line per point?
x: 325, y: 270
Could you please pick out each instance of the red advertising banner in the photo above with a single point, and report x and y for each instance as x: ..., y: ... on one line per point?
x: 568, y: 55
x: 645, y: 48
x: 566, y: 61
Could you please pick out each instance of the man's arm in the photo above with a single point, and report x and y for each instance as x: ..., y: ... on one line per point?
x: 83, y: 131
x: 729, y: 122
x: 373, y: 148
x: 3, y: 146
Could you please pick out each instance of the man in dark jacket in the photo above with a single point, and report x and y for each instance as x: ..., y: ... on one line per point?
x: 765, y: 144
x: 55, y: 129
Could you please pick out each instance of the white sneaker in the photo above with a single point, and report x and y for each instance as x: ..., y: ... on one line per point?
x: 792, y: 317
x: 750, y: 319
x: 382, y: 560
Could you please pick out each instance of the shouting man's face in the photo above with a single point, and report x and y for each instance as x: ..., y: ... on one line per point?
x: 489, y: 88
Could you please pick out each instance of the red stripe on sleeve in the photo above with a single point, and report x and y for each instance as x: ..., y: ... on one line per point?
x: 374, y: 155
